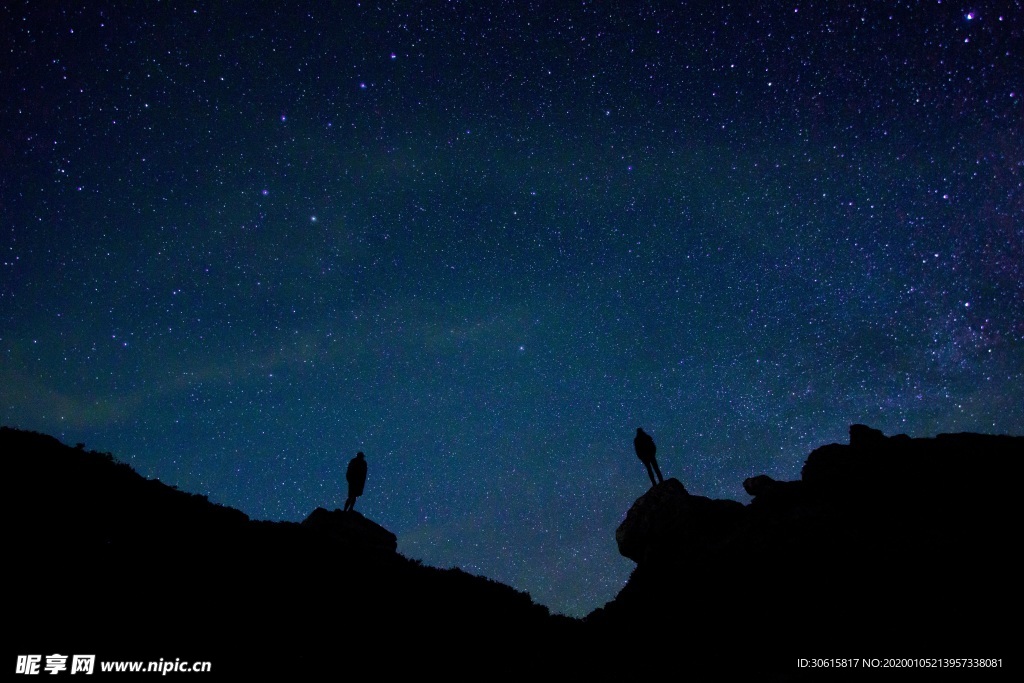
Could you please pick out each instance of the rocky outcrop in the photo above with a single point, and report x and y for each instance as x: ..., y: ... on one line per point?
x: 886, y: 546
x: 668, y: 515
x: 885, y: 542
x: 873, y: 486
x: 148, y: 564
x: 352, y: 529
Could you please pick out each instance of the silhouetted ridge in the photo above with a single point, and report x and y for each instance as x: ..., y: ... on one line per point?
x: 111, y: 563
x: 897, y: 545
x: 886, y: 547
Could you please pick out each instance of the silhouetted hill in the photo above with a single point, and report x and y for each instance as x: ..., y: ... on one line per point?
x: 886, y: 547
x: 106, y: 562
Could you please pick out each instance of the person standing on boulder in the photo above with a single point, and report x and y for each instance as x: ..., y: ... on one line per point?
x: 645, y: 449
x: 356, y: 477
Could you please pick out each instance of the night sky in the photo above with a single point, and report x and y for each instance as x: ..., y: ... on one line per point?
x: 484, y: 242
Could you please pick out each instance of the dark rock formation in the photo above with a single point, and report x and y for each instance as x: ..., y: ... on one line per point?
x: 892, y: 545
x: 862, y: 436
x: 886, y: 547
x: 105, y: 562
x: 352, y: 529
x: 760, y: 484
x: 667, y: 516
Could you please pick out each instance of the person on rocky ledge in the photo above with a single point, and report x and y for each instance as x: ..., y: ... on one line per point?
x: 356, y: 477
x: 645, y: 449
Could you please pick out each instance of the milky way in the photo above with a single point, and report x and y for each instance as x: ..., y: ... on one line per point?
x: 484, y: 242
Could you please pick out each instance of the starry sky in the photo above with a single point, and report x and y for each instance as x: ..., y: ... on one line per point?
x: 484, y: 242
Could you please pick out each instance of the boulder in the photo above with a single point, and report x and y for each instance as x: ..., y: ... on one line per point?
x: 668, y: 520
x: 352, y: 529
x: 862, y: 436
x: 759, y: 485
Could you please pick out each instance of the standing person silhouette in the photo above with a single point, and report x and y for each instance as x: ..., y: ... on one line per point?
x: 356, y: 477
x: 645, y: 449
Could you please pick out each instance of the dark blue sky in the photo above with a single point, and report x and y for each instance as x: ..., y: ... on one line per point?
x: 483, y: 242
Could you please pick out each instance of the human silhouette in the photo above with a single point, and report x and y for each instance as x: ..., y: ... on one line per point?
x: 356, y: 477
x: 645, y: 449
